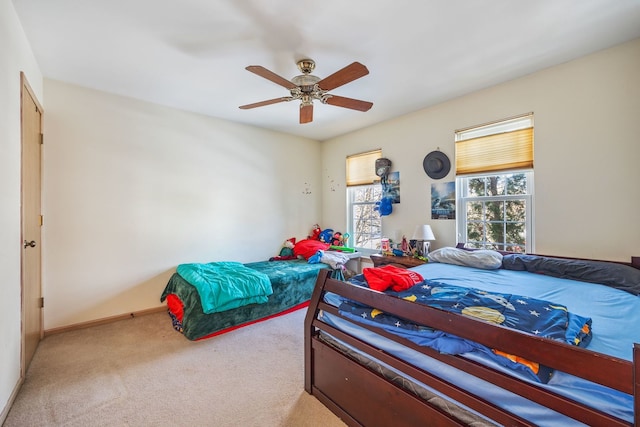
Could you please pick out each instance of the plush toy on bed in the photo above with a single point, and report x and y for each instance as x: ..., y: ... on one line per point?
x: 326, y: 235
x: 287, y: 251
x: 315, y: 233
x: 337, y: 239
x: 287, y: 247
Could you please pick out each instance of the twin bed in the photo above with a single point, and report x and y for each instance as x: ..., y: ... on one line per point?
x: 291, y: 284
x: 450, y: 356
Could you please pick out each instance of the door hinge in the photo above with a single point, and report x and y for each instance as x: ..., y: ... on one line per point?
x: 41, y: 139
x: 41, y: 302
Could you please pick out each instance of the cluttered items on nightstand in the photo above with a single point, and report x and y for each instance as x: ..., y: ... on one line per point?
x: 417, y: 247
x: 405, y: 248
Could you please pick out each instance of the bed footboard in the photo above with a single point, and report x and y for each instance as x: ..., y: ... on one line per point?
x: 360, y: 395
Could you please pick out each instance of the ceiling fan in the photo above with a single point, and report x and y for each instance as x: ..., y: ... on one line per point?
x: 307, y: 87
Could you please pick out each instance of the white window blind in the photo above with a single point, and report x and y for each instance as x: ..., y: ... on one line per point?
x: 361, y: 168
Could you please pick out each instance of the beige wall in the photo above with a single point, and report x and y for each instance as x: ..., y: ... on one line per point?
x: 586, y: 155
x: 133, y: 189
x: 15, y: 56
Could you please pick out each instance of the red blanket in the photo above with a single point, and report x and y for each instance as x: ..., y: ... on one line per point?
x: 388, y: 276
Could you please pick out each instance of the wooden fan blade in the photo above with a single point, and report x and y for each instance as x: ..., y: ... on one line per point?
x: 354, y: 104
x: 267, y: 102
x: 343, y: 76
x: 306, y: 113
x: 270, y: 75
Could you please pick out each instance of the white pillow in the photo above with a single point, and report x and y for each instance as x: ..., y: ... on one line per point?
x: 481, y: 258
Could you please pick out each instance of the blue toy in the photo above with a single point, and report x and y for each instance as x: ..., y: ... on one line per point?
x: 384, y: 206
x: 326, y: 235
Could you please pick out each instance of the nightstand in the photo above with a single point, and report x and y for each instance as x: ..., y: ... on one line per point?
x: 400, y: 261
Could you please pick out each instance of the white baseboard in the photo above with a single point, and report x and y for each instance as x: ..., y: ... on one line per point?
x: 12, y: 398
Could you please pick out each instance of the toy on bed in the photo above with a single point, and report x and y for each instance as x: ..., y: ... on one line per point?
x: 327, y: 235
x: 286, y: 253
x: 484, y: 338
x: 315, y: 233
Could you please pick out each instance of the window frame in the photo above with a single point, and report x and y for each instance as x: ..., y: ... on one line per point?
x: 351, y: 222
x: 463, y: 199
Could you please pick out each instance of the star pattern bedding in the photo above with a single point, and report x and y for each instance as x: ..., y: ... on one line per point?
x: 534, y: 316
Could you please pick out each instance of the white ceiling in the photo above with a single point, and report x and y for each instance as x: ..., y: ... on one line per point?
x: 191, y: 54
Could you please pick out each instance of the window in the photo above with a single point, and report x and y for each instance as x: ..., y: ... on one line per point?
x: 364, y: 224
x: 494, y: 169
x: 496, y: 211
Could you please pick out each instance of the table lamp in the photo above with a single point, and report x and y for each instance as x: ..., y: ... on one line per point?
x: 422, y: 234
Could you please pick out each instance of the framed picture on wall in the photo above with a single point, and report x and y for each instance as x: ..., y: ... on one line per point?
x: 443, y: 200
x: 393, y: 187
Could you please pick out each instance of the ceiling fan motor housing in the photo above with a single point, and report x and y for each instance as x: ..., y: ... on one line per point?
x: 305, y: 82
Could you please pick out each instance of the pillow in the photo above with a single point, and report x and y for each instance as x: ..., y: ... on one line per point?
x: 611, y: 274
x: 481, y: 258
x: 307, y: 248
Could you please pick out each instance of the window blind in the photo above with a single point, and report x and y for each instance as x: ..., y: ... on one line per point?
x: 495, y: 152
x: 361, y: 168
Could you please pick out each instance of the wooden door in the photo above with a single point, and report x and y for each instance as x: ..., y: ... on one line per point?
x: 31, y: 124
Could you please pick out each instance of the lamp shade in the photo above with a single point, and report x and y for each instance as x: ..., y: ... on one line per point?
x: 423, y: 232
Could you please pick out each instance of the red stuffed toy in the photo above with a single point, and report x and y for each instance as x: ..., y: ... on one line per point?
x: 315, y: 233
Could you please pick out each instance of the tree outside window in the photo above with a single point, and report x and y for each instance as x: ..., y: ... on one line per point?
x: 496, y: 209
x: 365, y: 224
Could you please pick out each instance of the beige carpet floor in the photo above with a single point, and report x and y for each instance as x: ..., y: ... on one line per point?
x: 140, y: 372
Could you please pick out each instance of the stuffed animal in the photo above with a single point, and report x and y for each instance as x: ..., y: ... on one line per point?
x: 326, y: 235
x: 286, y: 252
x: 287, y: 247
x: 315, y: 233
x: 336, y: 240
x: 384, y: 206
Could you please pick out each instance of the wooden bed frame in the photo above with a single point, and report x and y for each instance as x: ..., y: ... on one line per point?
x: 361, y: 396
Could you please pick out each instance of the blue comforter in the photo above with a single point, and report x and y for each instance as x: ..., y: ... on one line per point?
x: 226, y: 285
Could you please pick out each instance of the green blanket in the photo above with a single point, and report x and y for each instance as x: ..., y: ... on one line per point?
x: 226, y: 285
x: 292, y: 282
